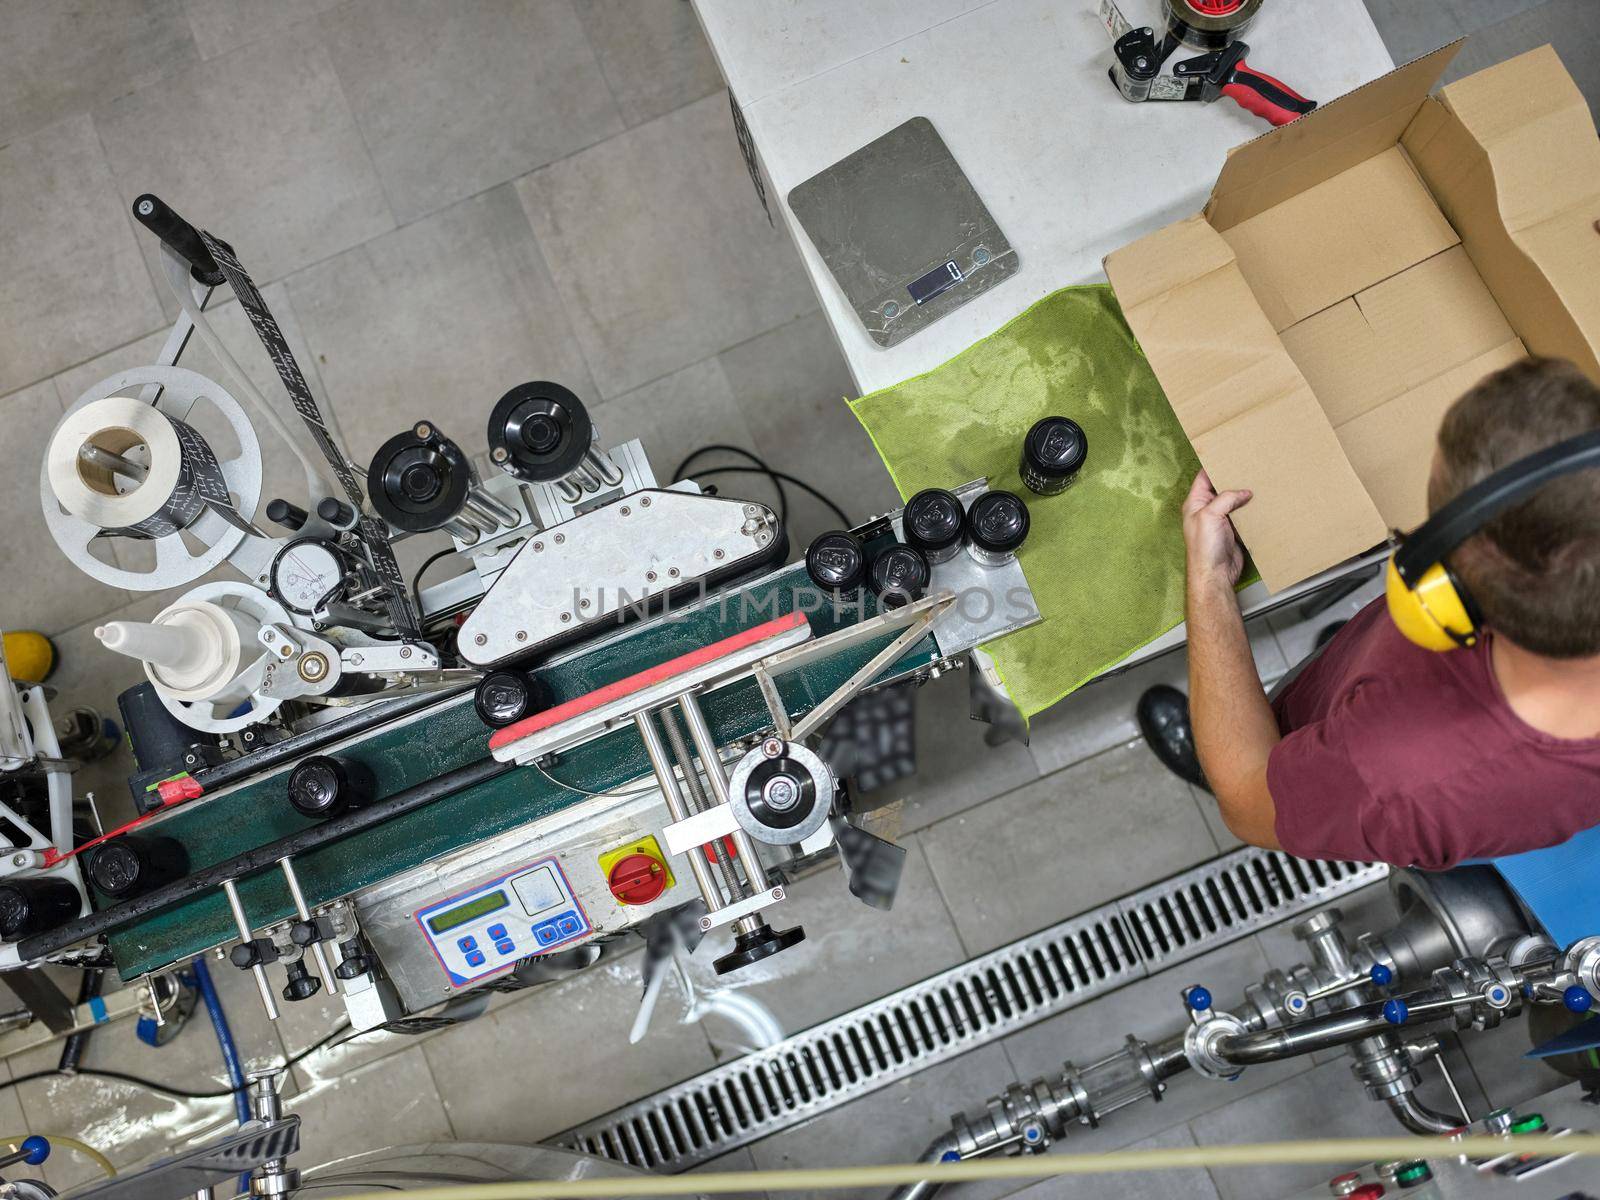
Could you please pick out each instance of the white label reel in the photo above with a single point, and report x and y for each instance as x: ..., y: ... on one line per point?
x: 118, y: 465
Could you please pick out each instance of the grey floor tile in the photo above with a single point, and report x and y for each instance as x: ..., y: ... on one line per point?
x: 1571, y: 26
x: 1088, y: 834
x: 73, y: 281
x: 60, y: 59
x: 258, y: 146
x: 736, y: 1160
x: 956, y: 769
x: 1189, y: 1183
x: 596, y: 1068
x: 1325, y: 1102
x: 223, y: 25
x: 56, y: 595
x: 1411, y: 28
x: 791, y: 384
x: 1101, y: 714
x: 861, y: 952
x: 453, y: 99
x: 1498, y: 1058
x: 654, y: 56
x: 660, y: 247
x: 1151, y: 1010
x: 677, y: 414
x: 438, y: 320
x: 1477, y: 14
x: 892, y: 1125
x: 391, y: 1102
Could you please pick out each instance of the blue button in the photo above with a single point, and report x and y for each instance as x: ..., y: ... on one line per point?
x: 568, y: 923
x: 497, y: 932
x: 475, y: 959
x: 505, y: 945
x: 546, y: 933
x: 467, y: 943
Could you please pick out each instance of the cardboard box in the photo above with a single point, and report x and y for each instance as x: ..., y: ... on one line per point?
x: 1352, y: 274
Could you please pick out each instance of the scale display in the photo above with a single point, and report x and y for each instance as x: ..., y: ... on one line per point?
x: 492, y: 926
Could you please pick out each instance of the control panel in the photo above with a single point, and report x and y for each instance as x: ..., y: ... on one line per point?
x: 488, y: 928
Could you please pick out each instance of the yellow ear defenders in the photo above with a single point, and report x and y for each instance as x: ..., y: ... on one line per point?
x: 1426, y: 601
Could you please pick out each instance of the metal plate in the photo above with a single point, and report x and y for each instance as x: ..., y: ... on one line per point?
x: 904, y: 233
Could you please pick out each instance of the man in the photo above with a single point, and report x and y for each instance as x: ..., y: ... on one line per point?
x: 1379, y: 750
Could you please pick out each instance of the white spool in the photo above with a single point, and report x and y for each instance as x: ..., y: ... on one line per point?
x: 116, y: 424
x: 191, y: 652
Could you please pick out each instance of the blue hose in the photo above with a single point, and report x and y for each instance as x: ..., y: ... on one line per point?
x: 219, y: 1022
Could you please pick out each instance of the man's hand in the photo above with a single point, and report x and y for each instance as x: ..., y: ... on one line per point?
x: 1214, y: 549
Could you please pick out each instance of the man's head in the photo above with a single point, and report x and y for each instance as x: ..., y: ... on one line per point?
x: 1534, y: 570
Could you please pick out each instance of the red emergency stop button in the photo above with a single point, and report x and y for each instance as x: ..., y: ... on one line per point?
x: 637, y: 879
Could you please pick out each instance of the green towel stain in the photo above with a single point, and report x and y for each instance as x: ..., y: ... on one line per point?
x: 1105, y: 558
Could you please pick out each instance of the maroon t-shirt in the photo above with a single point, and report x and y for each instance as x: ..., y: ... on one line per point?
x: 1392, y: 753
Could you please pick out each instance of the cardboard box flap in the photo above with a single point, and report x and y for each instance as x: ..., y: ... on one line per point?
x: 1512, y: 158
x: 1318, y: 146
x: 1243, y: 403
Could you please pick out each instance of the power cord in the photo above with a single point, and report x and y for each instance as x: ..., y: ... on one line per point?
x: 154, y: 1085
x: 760, y: 467
x: 416, y: 580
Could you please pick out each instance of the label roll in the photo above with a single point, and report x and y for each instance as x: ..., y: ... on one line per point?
x: 181, y: 478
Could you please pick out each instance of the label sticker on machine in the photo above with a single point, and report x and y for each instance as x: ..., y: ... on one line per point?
x: 492, y: 926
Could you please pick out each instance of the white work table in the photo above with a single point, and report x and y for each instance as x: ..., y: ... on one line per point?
x: 1018, y: 90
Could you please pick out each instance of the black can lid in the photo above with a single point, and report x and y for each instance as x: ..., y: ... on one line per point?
x: 934, y: 519
x: 1056, y: 446
x: 506, y: 697
x: 14, y: 911
x: 836, y: 561
x: 900, y: 575
x: 116, y: 867
x: 998, y: 522
x: 318, y: 786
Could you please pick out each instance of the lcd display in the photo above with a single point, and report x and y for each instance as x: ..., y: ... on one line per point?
x: 471, y: 910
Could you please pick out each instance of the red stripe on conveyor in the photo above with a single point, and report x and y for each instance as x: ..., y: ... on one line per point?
x: 644, y: 679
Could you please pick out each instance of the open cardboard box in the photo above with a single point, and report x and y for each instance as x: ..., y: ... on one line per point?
x: 1355, y: 272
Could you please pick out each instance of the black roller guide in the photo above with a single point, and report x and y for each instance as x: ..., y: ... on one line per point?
x: 1052, y: 455
x: 336, y: 512
x: 505, y: 697
x: 302, y: 983
x: 323, y: 786
x: 997, y: 524
x: 539, y: 432
x: 418, y: 479
x: 132, y: 864
x: 836, y: 562
x: 934, y: 522
x: 752, y: 947
x: 899, y: 575
x: 288, y: 516
x: 29, y: 906
x: 183, y: 238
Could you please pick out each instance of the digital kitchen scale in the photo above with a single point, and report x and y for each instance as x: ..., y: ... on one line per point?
x: 903, y: 231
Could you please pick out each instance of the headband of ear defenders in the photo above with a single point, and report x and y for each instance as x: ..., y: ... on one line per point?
x: 1469, y: 512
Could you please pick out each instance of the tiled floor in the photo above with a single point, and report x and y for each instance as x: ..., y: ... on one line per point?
x: 443, y: 200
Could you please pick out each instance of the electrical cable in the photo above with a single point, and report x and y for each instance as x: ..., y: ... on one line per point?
x: 844, y: 521
x: 613, y: 795
x: 13, y: 1144
x: 155, y: 1085
x: 726, y: 448
x: 1032, y: 1166
x: 416, y: 580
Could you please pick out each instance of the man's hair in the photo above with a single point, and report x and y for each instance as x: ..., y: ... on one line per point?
x: 1534, y: 570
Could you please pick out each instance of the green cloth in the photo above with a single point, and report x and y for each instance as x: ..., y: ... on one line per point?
x: 1105, y: 557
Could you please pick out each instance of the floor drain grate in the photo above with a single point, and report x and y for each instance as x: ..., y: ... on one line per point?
x: 979, y: 1001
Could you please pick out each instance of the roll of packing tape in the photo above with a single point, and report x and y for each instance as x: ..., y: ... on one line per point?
x: 182, y: 474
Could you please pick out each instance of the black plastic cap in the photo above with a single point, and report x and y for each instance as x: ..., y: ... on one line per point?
x: 997, y: 522
x: 1056, y: 447
x: 118, y: 869
x: 505, y: 697
x: 323, y: 786
x: 900, y: 574
x: 35, y: 906
x: 290, y: 516
x: 934, y: 520
x: 836, y: 562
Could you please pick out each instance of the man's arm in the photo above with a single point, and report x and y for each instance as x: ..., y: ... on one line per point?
x: 1234, y: 729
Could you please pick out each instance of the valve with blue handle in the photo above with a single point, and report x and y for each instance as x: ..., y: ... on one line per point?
x: 32, y: 1150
